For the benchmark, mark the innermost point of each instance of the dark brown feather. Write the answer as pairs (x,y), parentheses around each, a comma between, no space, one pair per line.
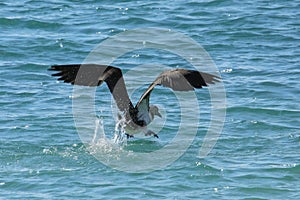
(180,80)
(94,75)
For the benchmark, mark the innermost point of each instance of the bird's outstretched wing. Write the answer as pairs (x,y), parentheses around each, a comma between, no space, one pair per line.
(178,80)
(94,75)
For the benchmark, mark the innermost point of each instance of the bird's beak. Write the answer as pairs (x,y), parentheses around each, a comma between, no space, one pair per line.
(158,114)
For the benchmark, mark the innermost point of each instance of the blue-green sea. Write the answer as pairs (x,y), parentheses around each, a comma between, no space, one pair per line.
(254,44)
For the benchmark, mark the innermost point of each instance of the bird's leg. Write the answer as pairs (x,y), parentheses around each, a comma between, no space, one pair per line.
(149,132)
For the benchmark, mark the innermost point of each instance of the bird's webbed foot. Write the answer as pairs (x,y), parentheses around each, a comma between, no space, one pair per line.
(128,135)
(149,133)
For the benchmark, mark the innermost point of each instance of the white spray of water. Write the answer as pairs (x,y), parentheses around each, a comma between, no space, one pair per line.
(103,144)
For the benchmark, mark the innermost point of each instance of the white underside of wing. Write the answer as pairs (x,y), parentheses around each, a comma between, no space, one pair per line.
(143,113)
(145,117)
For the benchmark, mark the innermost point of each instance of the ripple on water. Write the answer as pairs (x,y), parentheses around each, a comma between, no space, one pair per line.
(254,44)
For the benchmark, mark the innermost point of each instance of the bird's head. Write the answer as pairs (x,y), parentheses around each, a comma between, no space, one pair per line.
(153,110)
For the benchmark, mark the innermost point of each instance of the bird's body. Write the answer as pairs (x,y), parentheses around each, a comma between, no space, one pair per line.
(141,120)
(142,114)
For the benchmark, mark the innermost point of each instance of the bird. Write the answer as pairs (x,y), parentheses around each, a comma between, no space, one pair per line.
(137,117)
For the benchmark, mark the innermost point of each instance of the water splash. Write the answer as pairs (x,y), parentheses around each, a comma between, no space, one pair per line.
(101,144)
(99,131)
(120,134)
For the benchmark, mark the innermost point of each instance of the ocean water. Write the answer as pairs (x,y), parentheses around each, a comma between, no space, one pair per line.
(256,48)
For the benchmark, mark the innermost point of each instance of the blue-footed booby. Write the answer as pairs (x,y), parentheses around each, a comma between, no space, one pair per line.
(139,116)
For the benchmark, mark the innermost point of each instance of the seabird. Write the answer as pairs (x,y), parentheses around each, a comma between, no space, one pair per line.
(139,116)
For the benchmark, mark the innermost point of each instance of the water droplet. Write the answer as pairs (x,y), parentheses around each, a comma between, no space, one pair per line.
(226,71)
(135,56)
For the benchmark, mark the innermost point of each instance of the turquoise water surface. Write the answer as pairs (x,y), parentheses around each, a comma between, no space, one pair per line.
(254,44)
